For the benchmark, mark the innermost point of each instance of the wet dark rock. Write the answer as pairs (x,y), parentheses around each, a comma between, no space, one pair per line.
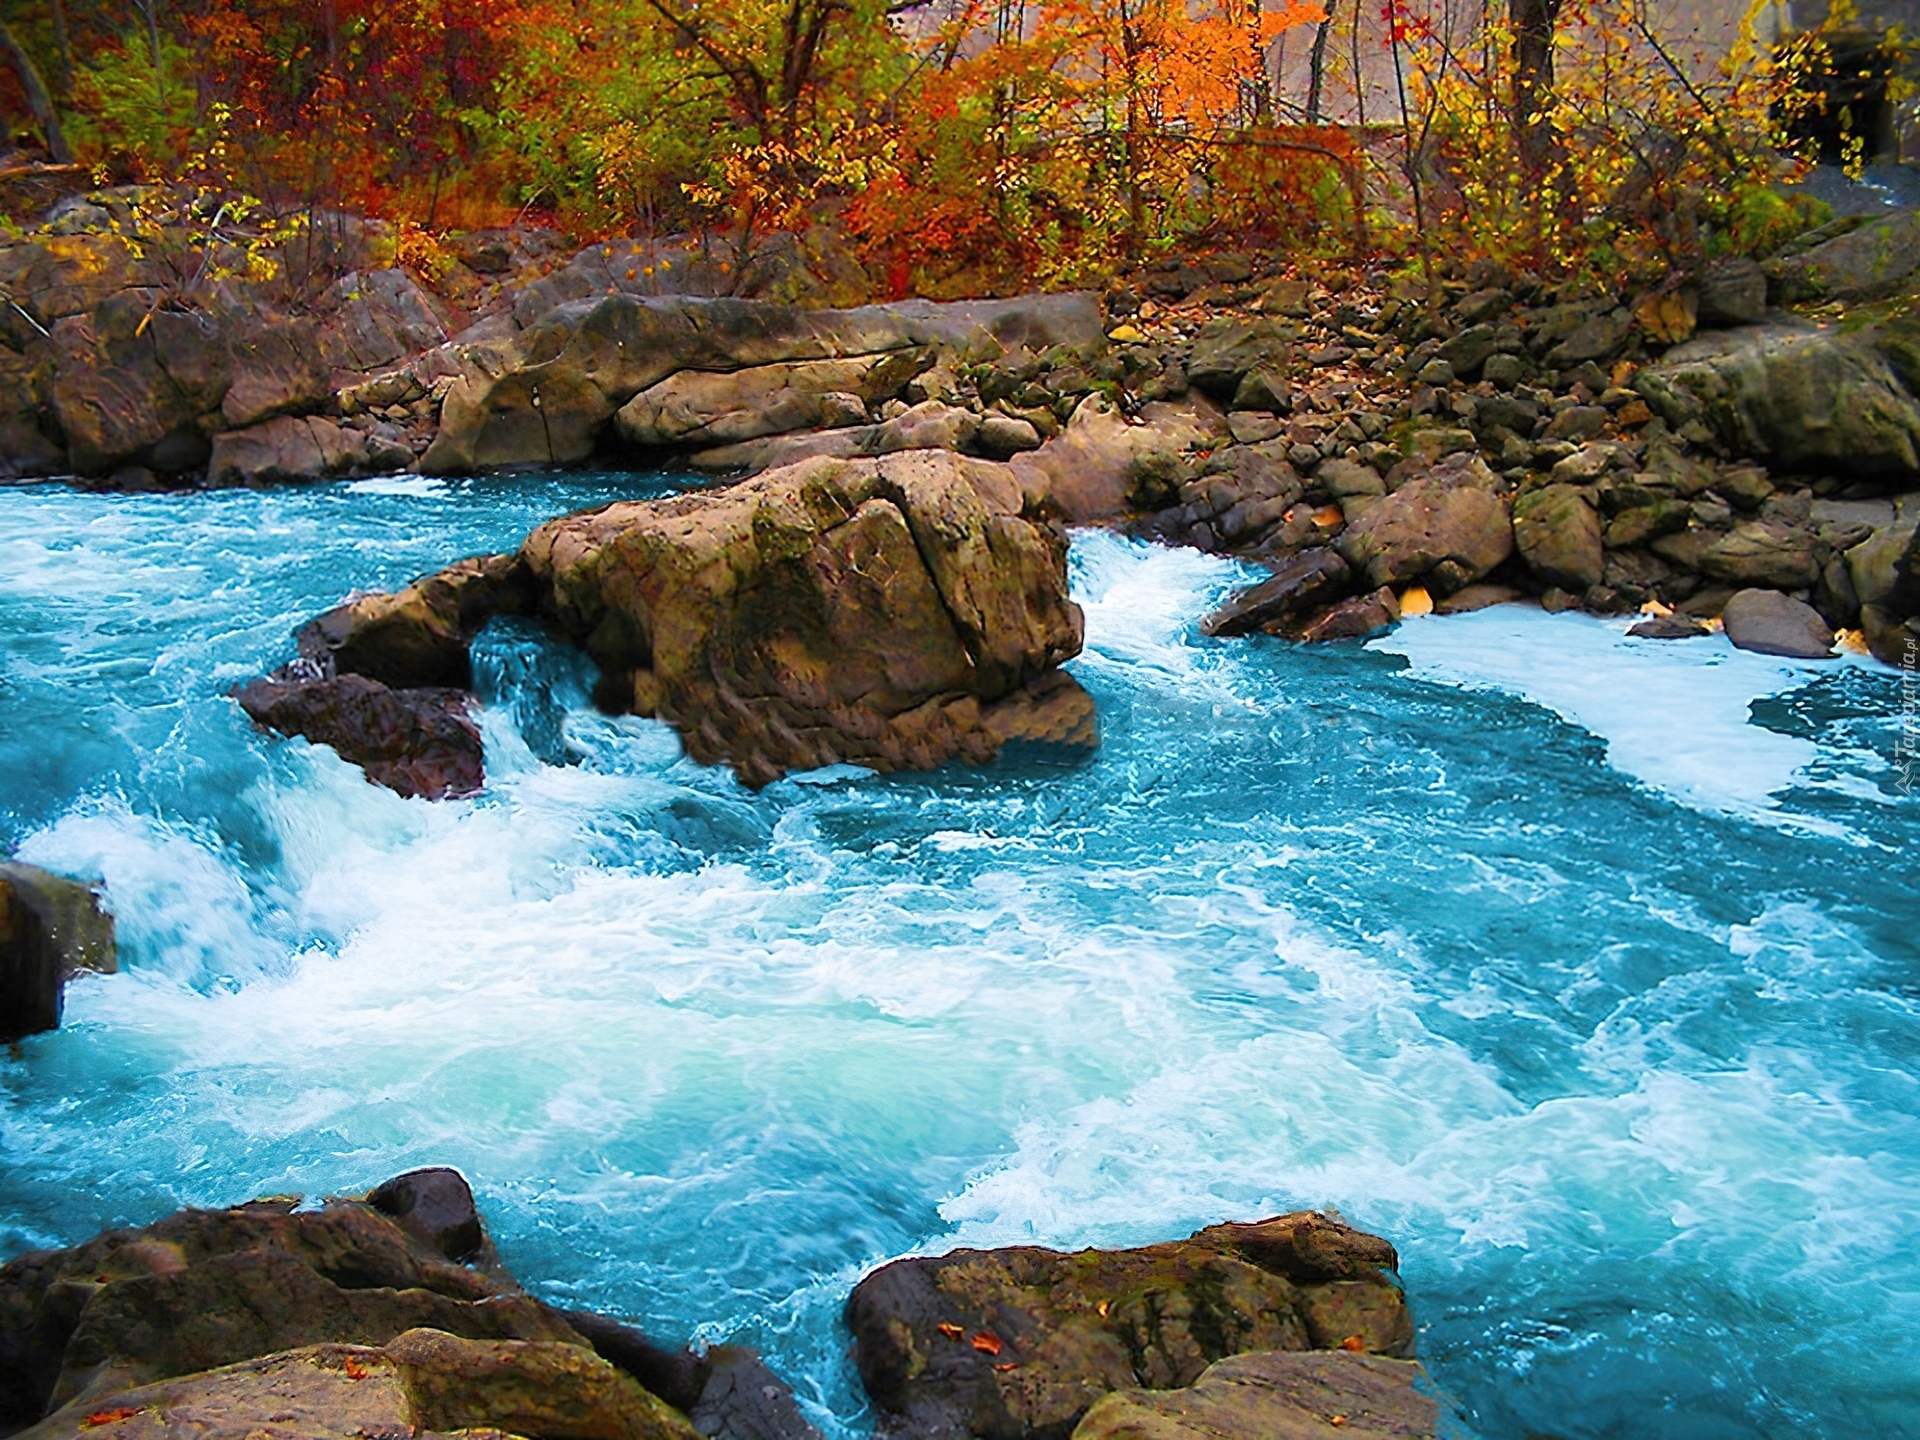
(678,1377)
(50,927)
(298,449)
(1869,261)
(1774,624)
(416,742)
(435,1206)
(1310,578)
(744,1400)
(1021,1342)
(1668,627)
(1351,619)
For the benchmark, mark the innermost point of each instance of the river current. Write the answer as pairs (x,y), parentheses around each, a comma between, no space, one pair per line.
(1586,969)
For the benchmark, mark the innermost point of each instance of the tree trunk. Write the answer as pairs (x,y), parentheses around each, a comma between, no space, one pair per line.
(63,47)
(1317,67)
(37,98)
(1533,22)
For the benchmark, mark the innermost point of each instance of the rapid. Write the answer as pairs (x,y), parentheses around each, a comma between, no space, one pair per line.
(1586,969)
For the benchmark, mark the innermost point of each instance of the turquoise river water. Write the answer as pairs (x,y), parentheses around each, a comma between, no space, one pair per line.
(1586,969)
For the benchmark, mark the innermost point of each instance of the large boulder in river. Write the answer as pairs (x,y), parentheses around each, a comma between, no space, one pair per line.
(1276,1395)
(708,408)
(1020,1342)
(49,928)
(1445,529)
(1799,396)
(896,612)
(547,394)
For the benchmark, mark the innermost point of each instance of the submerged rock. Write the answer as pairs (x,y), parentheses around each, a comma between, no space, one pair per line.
(416,742)
(49,928)
(1021,1342)
(1275,1395)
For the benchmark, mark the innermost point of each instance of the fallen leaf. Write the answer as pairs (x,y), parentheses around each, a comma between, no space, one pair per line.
(987,1343)
(1105,1305)
(1853,641)
(1353,1342)
(951,1330)
(1328,516)
(1415,601)
(108,1417)
(1336,1419)
(355,1370)
(1010,1365)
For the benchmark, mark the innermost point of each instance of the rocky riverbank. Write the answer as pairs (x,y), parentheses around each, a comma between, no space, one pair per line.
(392,1314)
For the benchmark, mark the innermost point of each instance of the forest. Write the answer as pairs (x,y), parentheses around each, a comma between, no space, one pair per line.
(969,146)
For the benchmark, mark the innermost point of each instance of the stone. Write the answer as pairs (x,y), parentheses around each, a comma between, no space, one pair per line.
(1640,523)
(1797,396)
(1354,618)
(1478,596)
(416,742)
(1226,350)
(545,1388)
(548,393)
(1761,553)
(929,425)
(1885,568)
(207,1288)
(1869,262)
(1599,338)
(1305,580)
(50,927)
(1557,532)
(295,449)
(1001,437)
(1433,530)
(435,1206)
(1275,1395)
(1732,292)
(708,408)
(1774,624)
(841,408)
(374,318)
(744,1400)
(417,637)
(1437,373)
(1891,639)
(1263,389)
(1022,1341)
(1668,627)
(1467,351)
(1104,466)
(1341,478)
(1577,423)
(1504,371)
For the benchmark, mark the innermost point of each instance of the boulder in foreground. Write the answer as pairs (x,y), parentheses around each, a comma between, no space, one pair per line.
(368,1319)
(1021,1342)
